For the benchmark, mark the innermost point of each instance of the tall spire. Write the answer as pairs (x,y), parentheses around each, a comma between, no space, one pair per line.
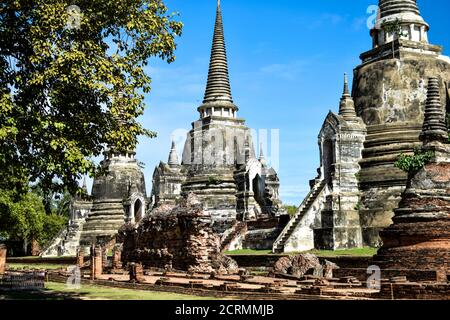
(218,89)
(434,127)
(262,158)
(346,90)
(394,7)
(347,105)
(173,156)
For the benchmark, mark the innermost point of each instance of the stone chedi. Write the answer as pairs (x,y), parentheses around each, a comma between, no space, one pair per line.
(119,196)
(419,239)
(388,94)
(217,154)
(167,180)
(389,89)
(328,217)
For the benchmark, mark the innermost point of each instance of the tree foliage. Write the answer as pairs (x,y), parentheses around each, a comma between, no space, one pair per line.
(291,210)
(71,84)
(25,218)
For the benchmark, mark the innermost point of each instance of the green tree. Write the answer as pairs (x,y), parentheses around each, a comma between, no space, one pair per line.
(291,210)
(24,218)
(21,219)
(72,80)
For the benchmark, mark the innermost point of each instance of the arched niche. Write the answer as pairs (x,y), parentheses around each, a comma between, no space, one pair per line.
(138,210)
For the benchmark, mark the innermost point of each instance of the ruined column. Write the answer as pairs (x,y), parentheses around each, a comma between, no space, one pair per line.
(80,257)
(136,272)
(117,257)
(92,257)
(2,258)
(98,261)
(104,258)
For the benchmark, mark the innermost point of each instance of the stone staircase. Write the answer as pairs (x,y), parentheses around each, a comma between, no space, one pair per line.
(66,242)
(278,246)
(238,229)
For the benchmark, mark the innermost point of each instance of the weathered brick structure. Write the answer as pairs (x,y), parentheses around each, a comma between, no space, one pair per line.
(179,238)
(2,258)
(96,262)
(358,186)
(80,257)
(420,235)
(117,257)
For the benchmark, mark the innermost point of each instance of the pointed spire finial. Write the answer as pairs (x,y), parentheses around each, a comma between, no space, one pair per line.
(173,155)
(347,106)
(218,89)
(262,158)
(434,127)
(346,90)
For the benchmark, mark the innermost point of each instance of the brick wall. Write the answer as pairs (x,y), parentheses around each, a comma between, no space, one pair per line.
(415,291)
(2,258)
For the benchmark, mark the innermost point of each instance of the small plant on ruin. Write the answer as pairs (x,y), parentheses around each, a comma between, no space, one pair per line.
(394,28)
(213,181)
(413,163)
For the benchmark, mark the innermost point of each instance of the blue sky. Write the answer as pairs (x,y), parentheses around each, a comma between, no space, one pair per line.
(286,61)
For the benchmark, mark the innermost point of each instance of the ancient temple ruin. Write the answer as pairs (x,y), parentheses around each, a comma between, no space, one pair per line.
(180,238)
(358,186)
(419,238)
(118,197)
(219,164)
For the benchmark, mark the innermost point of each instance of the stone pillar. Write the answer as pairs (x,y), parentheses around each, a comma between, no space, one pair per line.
(117,257)
(98,261)
(92,257)
(2,258)
(80,257)
(136,272)
(104,259)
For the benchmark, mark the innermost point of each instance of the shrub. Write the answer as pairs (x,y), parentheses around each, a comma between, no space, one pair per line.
(413,163)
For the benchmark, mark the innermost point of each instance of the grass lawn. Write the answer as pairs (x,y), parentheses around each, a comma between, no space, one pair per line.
(47,266)
(59,291)
(248,252)
(363,252)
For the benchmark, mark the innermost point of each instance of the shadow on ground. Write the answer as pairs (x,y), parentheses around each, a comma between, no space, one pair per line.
(44,294)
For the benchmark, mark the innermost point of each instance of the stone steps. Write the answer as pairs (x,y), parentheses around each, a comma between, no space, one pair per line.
(306,206)
(68,238)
